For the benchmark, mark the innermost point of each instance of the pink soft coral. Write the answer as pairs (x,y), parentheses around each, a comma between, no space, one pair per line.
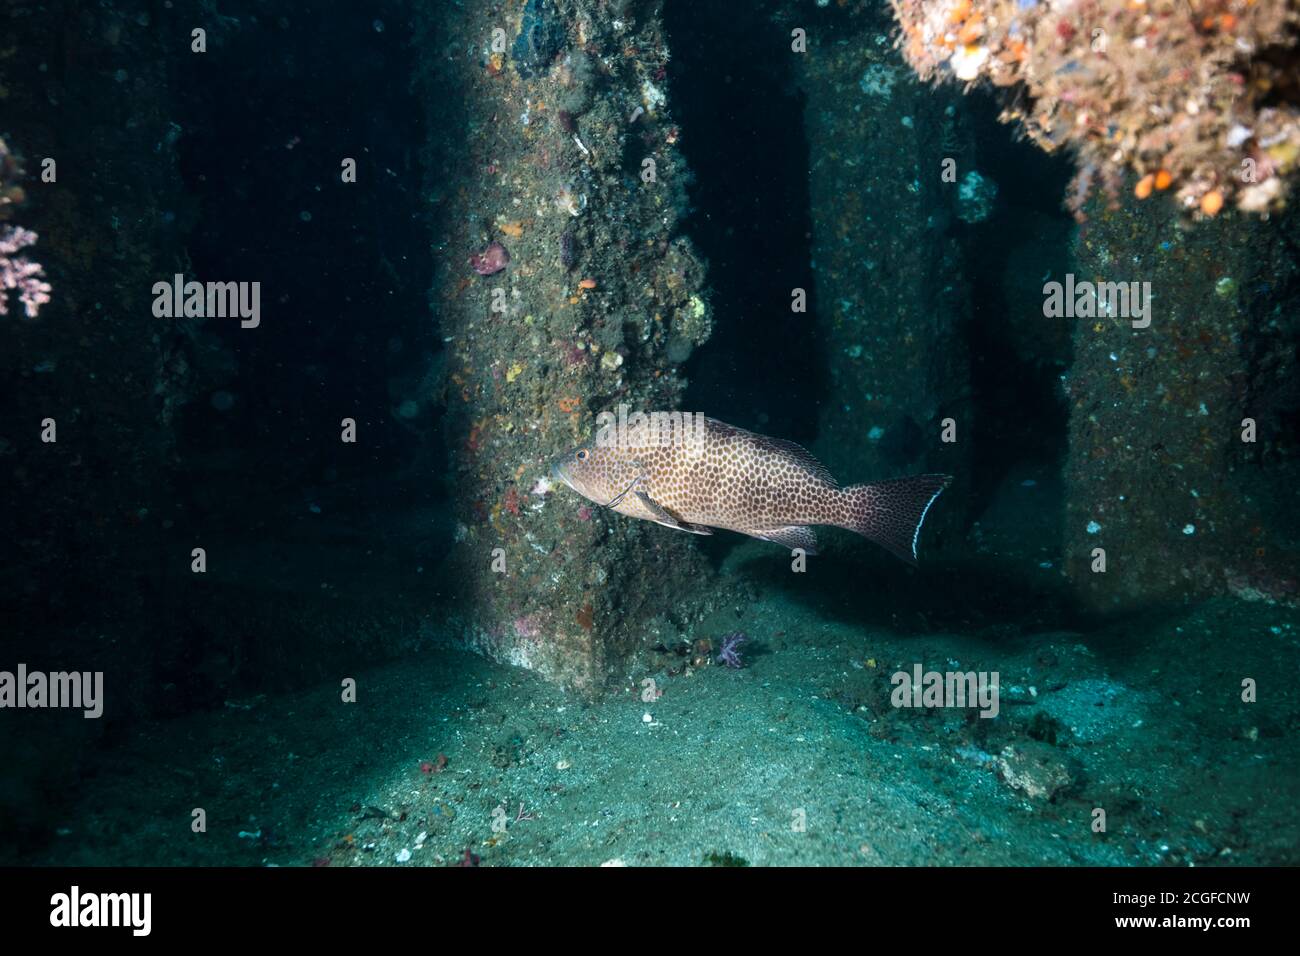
(20,273)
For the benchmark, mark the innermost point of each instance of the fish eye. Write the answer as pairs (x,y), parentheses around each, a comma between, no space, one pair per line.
(582,454)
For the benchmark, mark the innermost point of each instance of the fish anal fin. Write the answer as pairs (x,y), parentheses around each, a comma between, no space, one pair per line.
(665,517)
(792,536)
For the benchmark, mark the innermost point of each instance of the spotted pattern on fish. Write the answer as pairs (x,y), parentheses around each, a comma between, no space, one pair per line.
(694,473)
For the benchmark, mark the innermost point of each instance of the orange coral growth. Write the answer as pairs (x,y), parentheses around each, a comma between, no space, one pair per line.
(1199,102)
(511,501)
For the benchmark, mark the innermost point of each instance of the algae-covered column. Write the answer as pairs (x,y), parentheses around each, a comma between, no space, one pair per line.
(562,290)
(890,172)
(1168,402)
(1179,304)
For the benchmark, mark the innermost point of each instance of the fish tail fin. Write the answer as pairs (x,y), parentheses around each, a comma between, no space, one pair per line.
(890,513)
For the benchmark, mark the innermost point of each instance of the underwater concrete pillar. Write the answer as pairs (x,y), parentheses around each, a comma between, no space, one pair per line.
(1169,408)
(561,290)
(890,169)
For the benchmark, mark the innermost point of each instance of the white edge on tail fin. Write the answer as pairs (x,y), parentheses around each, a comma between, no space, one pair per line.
(916,535)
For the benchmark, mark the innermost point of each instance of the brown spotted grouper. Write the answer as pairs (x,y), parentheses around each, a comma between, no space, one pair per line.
(692,473)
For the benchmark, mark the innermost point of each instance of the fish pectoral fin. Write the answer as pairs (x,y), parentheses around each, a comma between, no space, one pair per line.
(618,499)
(665,517)
(793,536)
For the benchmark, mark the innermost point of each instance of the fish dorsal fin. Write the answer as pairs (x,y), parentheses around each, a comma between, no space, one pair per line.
(778,446)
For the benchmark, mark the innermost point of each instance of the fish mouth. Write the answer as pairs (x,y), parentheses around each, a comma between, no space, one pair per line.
(557,474)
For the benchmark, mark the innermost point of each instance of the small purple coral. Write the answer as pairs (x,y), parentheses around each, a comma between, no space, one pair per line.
(568,250)
(730,653)
(491,260)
